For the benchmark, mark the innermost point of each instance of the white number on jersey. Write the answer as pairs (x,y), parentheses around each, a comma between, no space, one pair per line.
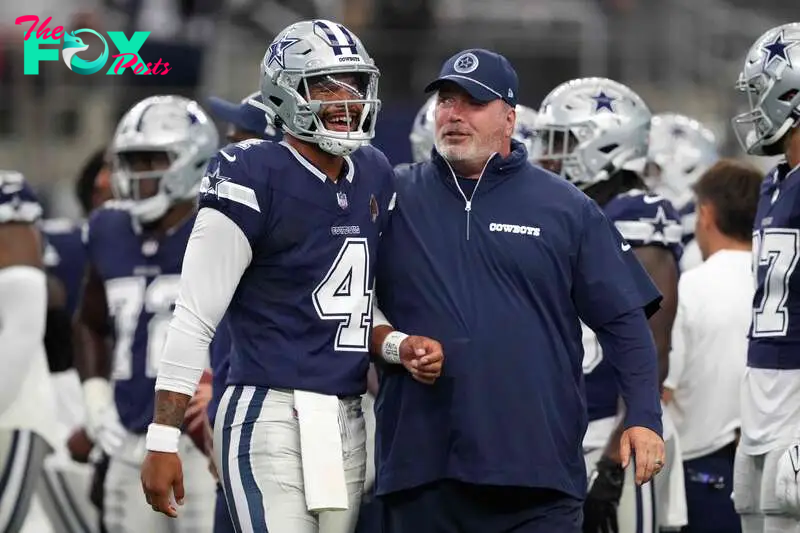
(344,296)
(592,352)
(777,251)
(127,299)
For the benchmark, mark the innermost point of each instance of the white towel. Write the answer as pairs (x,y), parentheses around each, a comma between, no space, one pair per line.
(321,451)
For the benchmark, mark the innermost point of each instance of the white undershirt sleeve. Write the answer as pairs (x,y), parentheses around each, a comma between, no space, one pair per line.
(23,312)
(378,318)
(217,255)
(677,353)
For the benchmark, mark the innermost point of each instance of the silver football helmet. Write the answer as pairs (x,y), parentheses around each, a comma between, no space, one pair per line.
(171,125)
(771,80)
(590,128)
(681,149)
(423,134)
(325,56)
(525,127)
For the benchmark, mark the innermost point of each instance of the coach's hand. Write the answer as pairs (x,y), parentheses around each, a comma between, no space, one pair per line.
(422,357)
(162,477)
(647,449)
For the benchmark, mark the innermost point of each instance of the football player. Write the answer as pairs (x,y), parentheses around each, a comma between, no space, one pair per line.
(135,246)
(28,430)
(681,149)
(765,484)
(288,234)
(422,135)
(594,132)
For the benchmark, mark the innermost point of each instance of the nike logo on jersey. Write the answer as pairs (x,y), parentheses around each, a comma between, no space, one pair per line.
(230,158)
(514,228)
(652,199)
(625,246)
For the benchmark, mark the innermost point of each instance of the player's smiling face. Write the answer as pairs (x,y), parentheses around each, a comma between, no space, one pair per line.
(342,114)
(468,129)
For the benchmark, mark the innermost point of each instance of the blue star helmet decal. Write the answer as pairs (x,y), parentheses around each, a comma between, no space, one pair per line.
(603,101)
(277,50)
(776,50)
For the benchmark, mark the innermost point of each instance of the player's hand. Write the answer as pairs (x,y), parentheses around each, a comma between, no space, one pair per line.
(787,491)
(162,478)
(80,446)
(648,450)
(602,500)
(422,357)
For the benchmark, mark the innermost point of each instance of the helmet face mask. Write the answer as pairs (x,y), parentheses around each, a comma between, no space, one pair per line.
(771,83)
(589,128)
(319,80)
(159,154)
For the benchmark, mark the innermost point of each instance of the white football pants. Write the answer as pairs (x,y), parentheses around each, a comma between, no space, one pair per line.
(125,509)
(257,446)
(754,494)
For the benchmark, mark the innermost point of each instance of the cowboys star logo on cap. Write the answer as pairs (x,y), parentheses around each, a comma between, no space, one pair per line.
(466,63)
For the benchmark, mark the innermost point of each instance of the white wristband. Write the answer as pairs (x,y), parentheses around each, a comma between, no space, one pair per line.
(161,438)
(390,349)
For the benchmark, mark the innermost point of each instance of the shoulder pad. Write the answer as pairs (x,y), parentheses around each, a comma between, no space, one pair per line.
(644,218)
(17,201)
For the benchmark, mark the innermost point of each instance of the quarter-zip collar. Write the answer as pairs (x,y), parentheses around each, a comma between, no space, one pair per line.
(496,169)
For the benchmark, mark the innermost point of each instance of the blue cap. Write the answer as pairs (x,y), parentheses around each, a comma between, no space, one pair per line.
(245,115)
(485,75)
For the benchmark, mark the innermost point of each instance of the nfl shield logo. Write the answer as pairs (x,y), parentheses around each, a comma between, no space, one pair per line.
(341,199)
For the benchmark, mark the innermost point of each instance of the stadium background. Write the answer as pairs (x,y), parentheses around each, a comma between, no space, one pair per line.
(680,55)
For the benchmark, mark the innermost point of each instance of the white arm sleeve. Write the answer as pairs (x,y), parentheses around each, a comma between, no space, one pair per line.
(378,318)
(23,313)
(217,255)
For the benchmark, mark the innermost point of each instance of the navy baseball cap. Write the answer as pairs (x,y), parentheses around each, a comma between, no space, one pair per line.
(485,75)
(247,115)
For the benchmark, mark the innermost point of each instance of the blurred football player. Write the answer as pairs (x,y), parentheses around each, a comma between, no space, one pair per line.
(422,129)
(681,149)
(28,430)
(249,119)
(594,132)
(287,232)
(135,247)
(67,481)
(766,482)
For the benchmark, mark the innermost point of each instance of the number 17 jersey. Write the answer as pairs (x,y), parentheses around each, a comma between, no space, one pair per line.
(302,313)
(771,387)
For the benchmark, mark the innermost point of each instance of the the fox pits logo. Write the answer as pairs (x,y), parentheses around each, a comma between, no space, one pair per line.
(73,44)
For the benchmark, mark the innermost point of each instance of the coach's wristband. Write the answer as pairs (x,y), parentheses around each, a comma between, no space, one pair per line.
(161,438)
(390,349)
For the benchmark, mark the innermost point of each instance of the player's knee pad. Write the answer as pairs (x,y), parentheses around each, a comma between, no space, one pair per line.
(22,453)
(58,340)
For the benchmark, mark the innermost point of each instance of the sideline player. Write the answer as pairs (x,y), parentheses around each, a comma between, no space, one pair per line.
(594,132)
(135,247)
(765,478)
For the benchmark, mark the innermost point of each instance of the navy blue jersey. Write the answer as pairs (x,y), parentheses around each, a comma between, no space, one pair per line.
(18,203)
(141,275)
(643,219)
(219,356)
(301,315)
(65,256)
(502,287)
(775,329)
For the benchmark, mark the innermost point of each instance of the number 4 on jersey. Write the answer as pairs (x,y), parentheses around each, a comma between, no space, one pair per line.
(777,252)
(344,296)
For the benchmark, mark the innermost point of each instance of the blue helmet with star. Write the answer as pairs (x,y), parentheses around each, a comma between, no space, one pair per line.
(771,80)
(588,129)
(322,85)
